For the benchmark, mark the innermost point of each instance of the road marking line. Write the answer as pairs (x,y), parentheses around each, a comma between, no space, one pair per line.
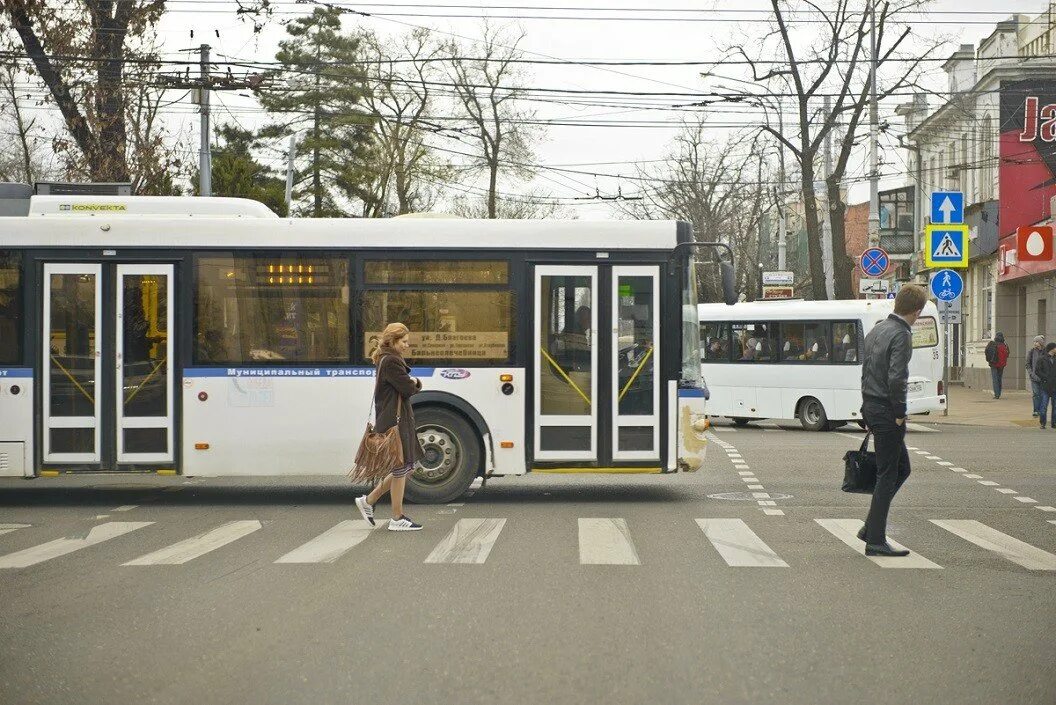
(912,448)
(8,528)
(988,483)
(606,542)
(773,512)
(760,495)
(974,477)
(457,504)
(124,508)
(933,457)
(946,463)
(742,467)
(1005,490)
(744,473)
(750,479)
(958,469)
(922,452)
(1004,545)
(921,429)
(855,438)
(846,530)
(766,503)
(470,541)
(60,547)
(333,543)
(1052,521)
(755,487)
(1046,508)
(1025,500)
(102,516)
(189,549)
(738,545)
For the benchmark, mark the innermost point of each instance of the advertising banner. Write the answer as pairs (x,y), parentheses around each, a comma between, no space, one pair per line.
(1027,165)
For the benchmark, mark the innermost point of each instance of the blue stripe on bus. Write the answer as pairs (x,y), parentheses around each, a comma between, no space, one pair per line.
(16,371)
(293,371)
(690,393)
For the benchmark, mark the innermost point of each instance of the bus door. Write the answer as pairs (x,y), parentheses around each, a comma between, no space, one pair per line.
(107,365)
(597,395)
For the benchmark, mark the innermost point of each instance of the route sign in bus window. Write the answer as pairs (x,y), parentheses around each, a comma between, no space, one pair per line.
(925,333)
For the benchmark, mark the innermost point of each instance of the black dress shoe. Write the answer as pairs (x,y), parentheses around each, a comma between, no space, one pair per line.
(861,534)
(884,549)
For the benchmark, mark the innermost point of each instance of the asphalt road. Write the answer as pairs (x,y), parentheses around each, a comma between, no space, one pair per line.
(768,606)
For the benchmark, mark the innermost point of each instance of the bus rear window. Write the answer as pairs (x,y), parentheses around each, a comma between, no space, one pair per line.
(925,332)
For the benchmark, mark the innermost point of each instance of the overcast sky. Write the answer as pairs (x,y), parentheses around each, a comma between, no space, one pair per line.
(612,149)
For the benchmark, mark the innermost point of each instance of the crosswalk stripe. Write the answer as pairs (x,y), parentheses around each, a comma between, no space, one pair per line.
(738,545)
(921,429)
(8,528)
(330,545)
(189,549)
(606,542)
(63,546)
(470,541)
(846,530)
(1004,545)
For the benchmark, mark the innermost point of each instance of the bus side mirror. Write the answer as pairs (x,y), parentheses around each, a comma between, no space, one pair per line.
(729,283)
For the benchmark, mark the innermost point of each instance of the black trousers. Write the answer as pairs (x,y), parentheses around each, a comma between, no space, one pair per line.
(892,464)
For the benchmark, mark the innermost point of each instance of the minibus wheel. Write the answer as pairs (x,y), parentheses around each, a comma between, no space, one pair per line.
(812,414)
(740,421)
(452,456)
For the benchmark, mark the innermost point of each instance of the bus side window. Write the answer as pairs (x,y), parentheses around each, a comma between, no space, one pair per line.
(845,341)
(716,342)
(753,342)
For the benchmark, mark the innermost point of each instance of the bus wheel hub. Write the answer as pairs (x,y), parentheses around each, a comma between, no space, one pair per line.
(441,454)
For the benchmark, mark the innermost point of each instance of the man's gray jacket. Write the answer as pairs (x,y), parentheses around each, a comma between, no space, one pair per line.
(885,370)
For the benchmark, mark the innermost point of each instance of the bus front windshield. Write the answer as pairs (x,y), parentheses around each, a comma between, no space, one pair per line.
(691,374)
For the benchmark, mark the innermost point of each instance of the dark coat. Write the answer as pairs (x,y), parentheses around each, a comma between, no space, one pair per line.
(395,384)
(1045,369)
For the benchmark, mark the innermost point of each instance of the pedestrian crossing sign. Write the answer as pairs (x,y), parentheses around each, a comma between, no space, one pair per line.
(946,246)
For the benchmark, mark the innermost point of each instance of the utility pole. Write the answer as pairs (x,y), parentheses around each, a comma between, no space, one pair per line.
(289,175)
(200,88)
(205,161)
(826,224)
(781,221)
(874,136)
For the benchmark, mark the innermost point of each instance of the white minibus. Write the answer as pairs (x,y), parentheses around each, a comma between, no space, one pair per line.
(793,359)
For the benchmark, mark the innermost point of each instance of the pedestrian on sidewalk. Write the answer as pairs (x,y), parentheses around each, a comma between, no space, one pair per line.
(392,404)
(996,354)
(1035,352)
(885,374)
(1045,370)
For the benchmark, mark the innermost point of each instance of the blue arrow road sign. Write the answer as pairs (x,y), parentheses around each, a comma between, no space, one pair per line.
(946,285)
(947,207)
(875,262)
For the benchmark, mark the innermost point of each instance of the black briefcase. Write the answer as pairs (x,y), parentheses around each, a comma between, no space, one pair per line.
(859,469)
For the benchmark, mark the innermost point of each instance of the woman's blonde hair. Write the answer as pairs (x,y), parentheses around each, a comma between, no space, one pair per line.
(392,333)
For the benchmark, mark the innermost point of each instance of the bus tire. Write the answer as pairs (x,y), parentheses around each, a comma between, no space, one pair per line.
(453,455)
(740,421)
(811,414)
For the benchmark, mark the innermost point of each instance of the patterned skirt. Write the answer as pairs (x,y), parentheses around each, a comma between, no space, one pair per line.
(403,471)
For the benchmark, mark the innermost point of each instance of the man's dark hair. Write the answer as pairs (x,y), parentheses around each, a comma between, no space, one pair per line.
(910,299)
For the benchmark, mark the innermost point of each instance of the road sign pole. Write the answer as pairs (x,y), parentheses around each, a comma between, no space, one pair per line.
(946,367)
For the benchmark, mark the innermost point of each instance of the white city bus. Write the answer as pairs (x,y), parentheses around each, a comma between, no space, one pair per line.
(207,337)
(794,359)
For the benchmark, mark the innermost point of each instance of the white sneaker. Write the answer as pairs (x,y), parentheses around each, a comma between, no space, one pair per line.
(403,524)
(365,509)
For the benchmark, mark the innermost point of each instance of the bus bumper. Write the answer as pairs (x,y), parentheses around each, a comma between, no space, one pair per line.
(692,425)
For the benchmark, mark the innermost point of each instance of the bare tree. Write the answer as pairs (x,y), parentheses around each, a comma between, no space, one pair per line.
(833,63)
(400,100)
(23,157)
(488,94)
(722,189)
(529,206)
(80,51)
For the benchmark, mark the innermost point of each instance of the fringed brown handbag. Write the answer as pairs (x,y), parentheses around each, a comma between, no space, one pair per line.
(379,453)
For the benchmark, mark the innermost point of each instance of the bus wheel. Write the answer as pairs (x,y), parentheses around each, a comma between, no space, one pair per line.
(812,414)
(452,457)
(740,421)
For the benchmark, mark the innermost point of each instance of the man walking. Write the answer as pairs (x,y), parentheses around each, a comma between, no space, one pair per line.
(1035,384)
(1045,370)
(885,372)
(996,354)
